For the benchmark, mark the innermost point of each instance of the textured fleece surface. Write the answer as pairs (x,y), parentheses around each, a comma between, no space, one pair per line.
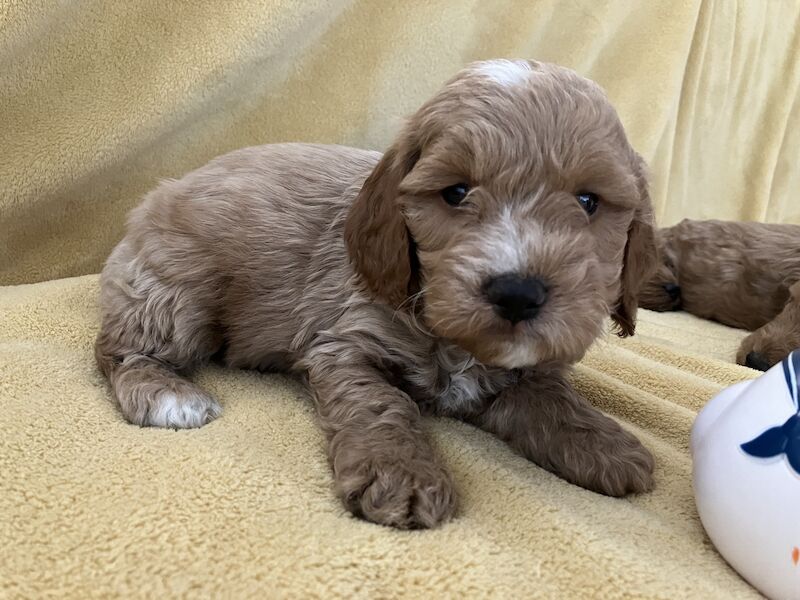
(99,99)
(91,506)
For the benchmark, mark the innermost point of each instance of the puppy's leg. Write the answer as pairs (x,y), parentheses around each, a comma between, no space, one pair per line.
(549,423)
(150,393)
(384,467)
(150,332)
(773,342)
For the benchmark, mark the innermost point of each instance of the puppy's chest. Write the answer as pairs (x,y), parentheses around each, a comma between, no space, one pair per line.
(451,382)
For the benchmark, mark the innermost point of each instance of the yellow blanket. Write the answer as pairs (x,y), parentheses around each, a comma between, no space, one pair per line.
(93,507)
(100,99)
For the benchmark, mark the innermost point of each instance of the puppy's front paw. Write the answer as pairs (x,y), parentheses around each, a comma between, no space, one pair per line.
(412,494)
(610,461)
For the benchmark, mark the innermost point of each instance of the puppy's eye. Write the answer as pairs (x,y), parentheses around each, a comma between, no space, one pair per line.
(588,201)
(455,194)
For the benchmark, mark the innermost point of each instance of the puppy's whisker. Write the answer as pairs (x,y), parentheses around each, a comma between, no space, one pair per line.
(471,322)
(412,317)
(468,364)
(412,299)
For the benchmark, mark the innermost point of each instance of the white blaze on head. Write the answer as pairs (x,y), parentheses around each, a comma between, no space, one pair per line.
(506,247)
(505,72)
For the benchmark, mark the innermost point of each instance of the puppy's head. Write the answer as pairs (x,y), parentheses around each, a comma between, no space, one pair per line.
(662,291)
(514,206)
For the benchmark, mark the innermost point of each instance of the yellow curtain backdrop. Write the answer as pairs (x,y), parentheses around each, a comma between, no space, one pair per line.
(99,100)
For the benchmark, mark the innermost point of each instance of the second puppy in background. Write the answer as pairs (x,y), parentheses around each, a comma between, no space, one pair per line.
(744,275)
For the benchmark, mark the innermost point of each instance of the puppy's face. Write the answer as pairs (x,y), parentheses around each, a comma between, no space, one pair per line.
(513,205)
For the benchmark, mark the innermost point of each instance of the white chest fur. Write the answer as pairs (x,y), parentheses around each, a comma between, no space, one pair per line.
(456,381)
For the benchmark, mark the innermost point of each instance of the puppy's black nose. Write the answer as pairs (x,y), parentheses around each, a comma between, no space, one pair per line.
(757,361)
(673,290)
(516,298)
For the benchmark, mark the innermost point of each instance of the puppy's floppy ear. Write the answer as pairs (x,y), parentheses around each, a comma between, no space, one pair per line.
(375,232)
(641,257)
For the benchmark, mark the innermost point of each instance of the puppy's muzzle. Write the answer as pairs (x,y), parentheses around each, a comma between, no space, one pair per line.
(673,291)
(516,298)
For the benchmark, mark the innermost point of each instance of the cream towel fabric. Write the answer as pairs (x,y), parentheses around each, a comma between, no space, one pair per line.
(91,506)
(99,100)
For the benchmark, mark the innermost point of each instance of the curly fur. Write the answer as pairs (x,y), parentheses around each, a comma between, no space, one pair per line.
(349,268)
(740,274)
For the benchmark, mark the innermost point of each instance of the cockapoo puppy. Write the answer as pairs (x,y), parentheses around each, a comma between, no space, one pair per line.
(744,275)
(461,273)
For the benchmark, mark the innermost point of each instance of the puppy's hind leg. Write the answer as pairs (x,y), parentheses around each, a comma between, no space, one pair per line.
(151,333)
(150,393)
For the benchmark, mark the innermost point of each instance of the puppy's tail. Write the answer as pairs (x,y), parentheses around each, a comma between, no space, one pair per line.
(150,393)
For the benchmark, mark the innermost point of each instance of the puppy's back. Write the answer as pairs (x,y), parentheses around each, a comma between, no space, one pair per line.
(276,186)
(242,241)
(738,273)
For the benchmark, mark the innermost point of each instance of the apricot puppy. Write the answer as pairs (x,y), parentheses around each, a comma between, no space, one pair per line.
(461,274)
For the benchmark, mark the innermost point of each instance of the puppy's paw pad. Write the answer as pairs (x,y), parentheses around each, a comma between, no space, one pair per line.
(414,495)
(183,411)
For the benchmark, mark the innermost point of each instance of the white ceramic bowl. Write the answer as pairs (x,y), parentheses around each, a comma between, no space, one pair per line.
(746,454)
